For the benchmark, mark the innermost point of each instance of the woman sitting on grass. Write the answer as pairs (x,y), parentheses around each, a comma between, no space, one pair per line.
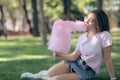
(92,48)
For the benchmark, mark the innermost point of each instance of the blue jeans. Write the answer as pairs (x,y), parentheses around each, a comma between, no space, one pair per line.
(81,68)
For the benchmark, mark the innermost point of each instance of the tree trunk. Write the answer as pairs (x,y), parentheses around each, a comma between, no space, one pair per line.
(35,18)
(2,23)
(26,16)
(43,26)
(66,4)
(99,4)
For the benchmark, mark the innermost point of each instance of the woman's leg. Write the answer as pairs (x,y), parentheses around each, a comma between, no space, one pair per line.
(66,76)
(60,68)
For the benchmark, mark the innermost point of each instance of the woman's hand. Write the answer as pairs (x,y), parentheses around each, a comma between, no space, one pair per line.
(57,55)
(68,57)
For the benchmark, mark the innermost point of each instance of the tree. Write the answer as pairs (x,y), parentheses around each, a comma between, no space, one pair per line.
(99,4)
(66,4)
(26,16)
(43,26)
(2,22)
(35,18)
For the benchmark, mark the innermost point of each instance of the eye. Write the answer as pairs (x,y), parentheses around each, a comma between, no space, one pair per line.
(91,20)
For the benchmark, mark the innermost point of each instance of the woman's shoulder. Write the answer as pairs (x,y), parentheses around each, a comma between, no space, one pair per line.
(106,38)
(105,33)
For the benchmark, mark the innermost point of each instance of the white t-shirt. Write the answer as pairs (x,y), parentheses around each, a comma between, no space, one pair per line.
(92,49)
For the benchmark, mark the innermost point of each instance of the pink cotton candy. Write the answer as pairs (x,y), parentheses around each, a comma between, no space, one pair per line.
(61,35)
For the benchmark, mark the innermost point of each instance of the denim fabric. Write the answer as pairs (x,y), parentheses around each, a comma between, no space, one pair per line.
(83,70)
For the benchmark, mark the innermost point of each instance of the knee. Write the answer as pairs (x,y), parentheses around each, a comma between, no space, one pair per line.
(51,73)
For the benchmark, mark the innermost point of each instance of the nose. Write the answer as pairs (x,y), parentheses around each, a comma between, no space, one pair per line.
(86,21)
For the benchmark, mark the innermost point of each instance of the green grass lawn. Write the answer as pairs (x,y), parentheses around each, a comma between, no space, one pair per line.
(26,54)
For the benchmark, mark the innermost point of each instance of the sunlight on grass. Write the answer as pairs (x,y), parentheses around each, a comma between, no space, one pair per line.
(23,57)
(116,38)
(5,43)
(115,55)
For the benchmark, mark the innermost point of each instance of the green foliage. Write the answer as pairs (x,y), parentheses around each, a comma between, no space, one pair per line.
(82,4)
(54,8)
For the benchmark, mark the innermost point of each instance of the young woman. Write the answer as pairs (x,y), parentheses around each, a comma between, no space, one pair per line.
(92,48)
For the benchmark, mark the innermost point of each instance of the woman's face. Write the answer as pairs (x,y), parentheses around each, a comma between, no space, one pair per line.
(91,21)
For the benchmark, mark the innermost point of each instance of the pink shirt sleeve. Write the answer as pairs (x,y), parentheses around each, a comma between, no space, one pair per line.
(106,39)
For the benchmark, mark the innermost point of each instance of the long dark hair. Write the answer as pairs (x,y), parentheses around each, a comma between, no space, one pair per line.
(102,19)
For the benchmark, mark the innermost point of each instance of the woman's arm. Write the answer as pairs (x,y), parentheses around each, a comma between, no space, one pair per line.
(108,61)
(68,57)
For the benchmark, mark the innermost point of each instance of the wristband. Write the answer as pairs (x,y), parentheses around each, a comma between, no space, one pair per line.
(113,78)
